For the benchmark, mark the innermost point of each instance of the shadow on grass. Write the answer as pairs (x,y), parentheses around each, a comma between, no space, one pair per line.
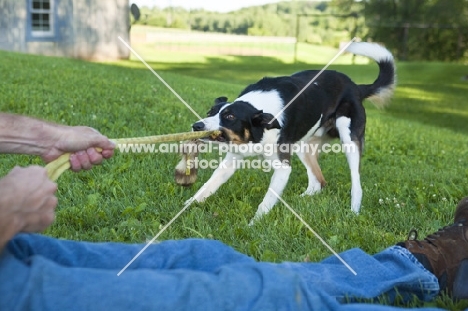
(437,97)
(441,105)
(237,69)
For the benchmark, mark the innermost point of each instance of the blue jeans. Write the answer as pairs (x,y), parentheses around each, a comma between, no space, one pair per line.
(43,273)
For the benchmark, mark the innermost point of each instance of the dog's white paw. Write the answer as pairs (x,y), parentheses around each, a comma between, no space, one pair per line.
(356,198)
(193,200)
(254,219)
(261,211)
(312,191)
(355,208)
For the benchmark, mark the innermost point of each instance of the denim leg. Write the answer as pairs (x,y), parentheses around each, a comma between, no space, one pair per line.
(394,271)
(39,273)
(197,254)
(39,283)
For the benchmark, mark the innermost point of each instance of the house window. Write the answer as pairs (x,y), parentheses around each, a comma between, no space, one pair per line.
(41,17)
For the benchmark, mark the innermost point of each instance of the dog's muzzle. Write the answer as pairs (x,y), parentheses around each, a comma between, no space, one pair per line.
(200,126)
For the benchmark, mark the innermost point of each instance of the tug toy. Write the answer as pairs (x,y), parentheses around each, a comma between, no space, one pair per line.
(62,163)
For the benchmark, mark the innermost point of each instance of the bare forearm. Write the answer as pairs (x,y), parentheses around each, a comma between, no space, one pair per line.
(25,135)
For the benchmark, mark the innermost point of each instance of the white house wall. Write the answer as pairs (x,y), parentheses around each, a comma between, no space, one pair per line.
(13,25)
(84,29)
(97,26)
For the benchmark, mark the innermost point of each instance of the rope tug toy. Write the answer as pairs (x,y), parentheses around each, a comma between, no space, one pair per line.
(62,163)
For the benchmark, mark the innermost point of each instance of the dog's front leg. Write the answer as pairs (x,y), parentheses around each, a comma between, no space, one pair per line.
(222,173)
(278,183)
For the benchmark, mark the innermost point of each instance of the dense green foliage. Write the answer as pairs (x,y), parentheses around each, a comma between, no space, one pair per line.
(277,19)
(414,168)
(416,29)
(412,29)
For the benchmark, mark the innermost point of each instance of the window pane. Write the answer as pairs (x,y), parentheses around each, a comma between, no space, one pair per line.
(36,4)
(36,17)
(40,22)
(36,22)
(37,27)
(45,22)
(40,16)
(41,4)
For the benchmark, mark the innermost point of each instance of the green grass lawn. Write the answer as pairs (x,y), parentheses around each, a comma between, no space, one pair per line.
(414,169)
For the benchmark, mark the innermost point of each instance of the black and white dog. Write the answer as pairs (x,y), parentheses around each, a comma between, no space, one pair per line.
(291,113)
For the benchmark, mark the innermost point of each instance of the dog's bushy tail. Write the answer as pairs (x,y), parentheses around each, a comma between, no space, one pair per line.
(382,89)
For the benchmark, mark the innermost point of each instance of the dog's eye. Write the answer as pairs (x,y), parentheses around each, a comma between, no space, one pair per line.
(229,117)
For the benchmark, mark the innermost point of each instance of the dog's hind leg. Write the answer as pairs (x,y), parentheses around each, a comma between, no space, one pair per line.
(224,171)
(309,157)
(352,149)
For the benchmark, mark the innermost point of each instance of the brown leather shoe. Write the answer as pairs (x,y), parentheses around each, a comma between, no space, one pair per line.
(445,253)
(461,213)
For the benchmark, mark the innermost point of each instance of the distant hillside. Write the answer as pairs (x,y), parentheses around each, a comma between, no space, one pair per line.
(412,30)
(275,19)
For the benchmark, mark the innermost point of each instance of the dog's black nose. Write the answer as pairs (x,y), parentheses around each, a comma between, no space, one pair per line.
(199,126)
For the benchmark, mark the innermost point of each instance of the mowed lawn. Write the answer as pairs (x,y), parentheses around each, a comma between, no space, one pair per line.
(414,169)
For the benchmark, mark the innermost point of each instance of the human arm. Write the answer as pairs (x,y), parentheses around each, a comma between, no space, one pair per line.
(27,196)
(25,135)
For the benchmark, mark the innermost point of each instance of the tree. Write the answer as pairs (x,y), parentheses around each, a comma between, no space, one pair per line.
(419,29)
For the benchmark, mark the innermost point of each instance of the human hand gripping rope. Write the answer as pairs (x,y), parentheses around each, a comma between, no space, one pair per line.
(62,163)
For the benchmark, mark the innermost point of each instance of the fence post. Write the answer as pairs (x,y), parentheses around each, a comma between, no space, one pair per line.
(298,16)
(405,40)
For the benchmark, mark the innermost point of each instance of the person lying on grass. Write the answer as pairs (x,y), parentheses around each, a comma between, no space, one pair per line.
(43,273)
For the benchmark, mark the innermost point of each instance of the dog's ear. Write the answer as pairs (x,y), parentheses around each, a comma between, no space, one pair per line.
(265,120)
(261,121)
(222,99)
